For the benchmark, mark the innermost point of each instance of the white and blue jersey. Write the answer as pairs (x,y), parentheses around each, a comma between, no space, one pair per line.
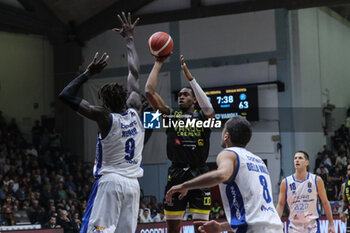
(120,151)
(247,197)
(302,199)
(114,200)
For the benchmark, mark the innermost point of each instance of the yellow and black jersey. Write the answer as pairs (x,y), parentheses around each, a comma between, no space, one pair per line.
(187,142)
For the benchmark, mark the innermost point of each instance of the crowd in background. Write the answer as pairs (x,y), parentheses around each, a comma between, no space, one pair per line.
(41,183)
(331,163)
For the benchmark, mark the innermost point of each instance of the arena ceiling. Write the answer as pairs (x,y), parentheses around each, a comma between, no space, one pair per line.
(83,19)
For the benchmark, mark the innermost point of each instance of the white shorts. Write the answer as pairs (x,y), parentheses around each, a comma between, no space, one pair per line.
(264,229)
(310,227)
(113,205)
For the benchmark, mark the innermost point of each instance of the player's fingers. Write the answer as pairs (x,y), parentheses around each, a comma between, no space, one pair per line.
(129,17)
(106,58)
(95,57)
(181,196)
(168,196)
(102,58)
(120,18)
(201,229)
(124,17)
(182,60)
(136,21)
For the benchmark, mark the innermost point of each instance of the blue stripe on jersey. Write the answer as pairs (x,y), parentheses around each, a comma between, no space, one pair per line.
(125,113)
(301,181)
(98,157)
(318,226)
(317,202)
(235,201)
(89,205)
(288,226)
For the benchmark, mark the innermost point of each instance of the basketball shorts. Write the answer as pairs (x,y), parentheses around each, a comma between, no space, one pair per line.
(311,227)
(198,200)
(113,205)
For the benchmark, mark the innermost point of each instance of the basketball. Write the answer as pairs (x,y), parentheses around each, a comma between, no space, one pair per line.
(160,44)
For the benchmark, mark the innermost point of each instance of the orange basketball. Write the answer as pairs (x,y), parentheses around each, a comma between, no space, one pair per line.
(160,44)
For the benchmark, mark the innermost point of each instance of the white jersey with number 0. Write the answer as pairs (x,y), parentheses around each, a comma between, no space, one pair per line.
(120,151)
(247,198)
(302,200)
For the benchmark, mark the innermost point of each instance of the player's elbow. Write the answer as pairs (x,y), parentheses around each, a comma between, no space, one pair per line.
(149,90)
(149,93)
(222,176)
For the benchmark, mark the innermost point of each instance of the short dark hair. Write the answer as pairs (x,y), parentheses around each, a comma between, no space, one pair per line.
(189,87)
(306,156)
(113,97)
(240,130)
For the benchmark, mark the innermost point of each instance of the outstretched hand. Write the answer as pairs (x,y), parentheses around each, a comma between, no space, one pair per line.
(97,65)
(184,68)
(127,29)
(175,189)
(208,226)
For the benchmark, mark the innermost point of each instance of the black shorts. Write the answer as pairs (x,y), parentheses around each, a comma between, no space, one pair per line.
(199,200)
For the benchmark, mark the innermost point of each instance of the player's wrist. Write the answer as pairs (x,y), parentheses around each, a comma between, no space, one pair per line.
(129,38)
(87,73)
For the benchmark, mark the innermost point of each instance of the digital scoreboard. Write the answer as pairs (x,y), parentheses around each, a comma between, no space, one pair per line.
(232,101)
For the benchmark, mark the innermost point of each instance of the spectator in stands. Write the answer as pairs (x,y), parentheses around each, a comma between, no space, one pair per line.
(54,140)
(143,203)
(222,214)
(77,221)
(342,161)
(326,150)
(61,192)
(160,217)
(20,216)
(327,161)
(8,216)
(215,209)
(51,224)
(318,161)
(68,225)
(145,216)
(337,179)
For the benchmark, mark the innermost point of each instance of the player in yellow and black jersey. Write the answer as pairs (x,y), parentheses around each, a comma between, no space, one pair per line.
(345,210)
(187,144)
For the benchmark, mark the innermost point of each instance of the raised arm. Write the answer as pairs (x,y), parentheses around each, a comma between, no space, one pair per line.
(133,86)
(201,97)
(152,96)
(69,95)
(321,191)
(281,198)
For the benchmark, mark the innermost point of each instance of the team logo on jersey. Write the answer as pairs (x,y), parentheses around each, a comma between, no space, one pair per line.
(177,142)
(151,120)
